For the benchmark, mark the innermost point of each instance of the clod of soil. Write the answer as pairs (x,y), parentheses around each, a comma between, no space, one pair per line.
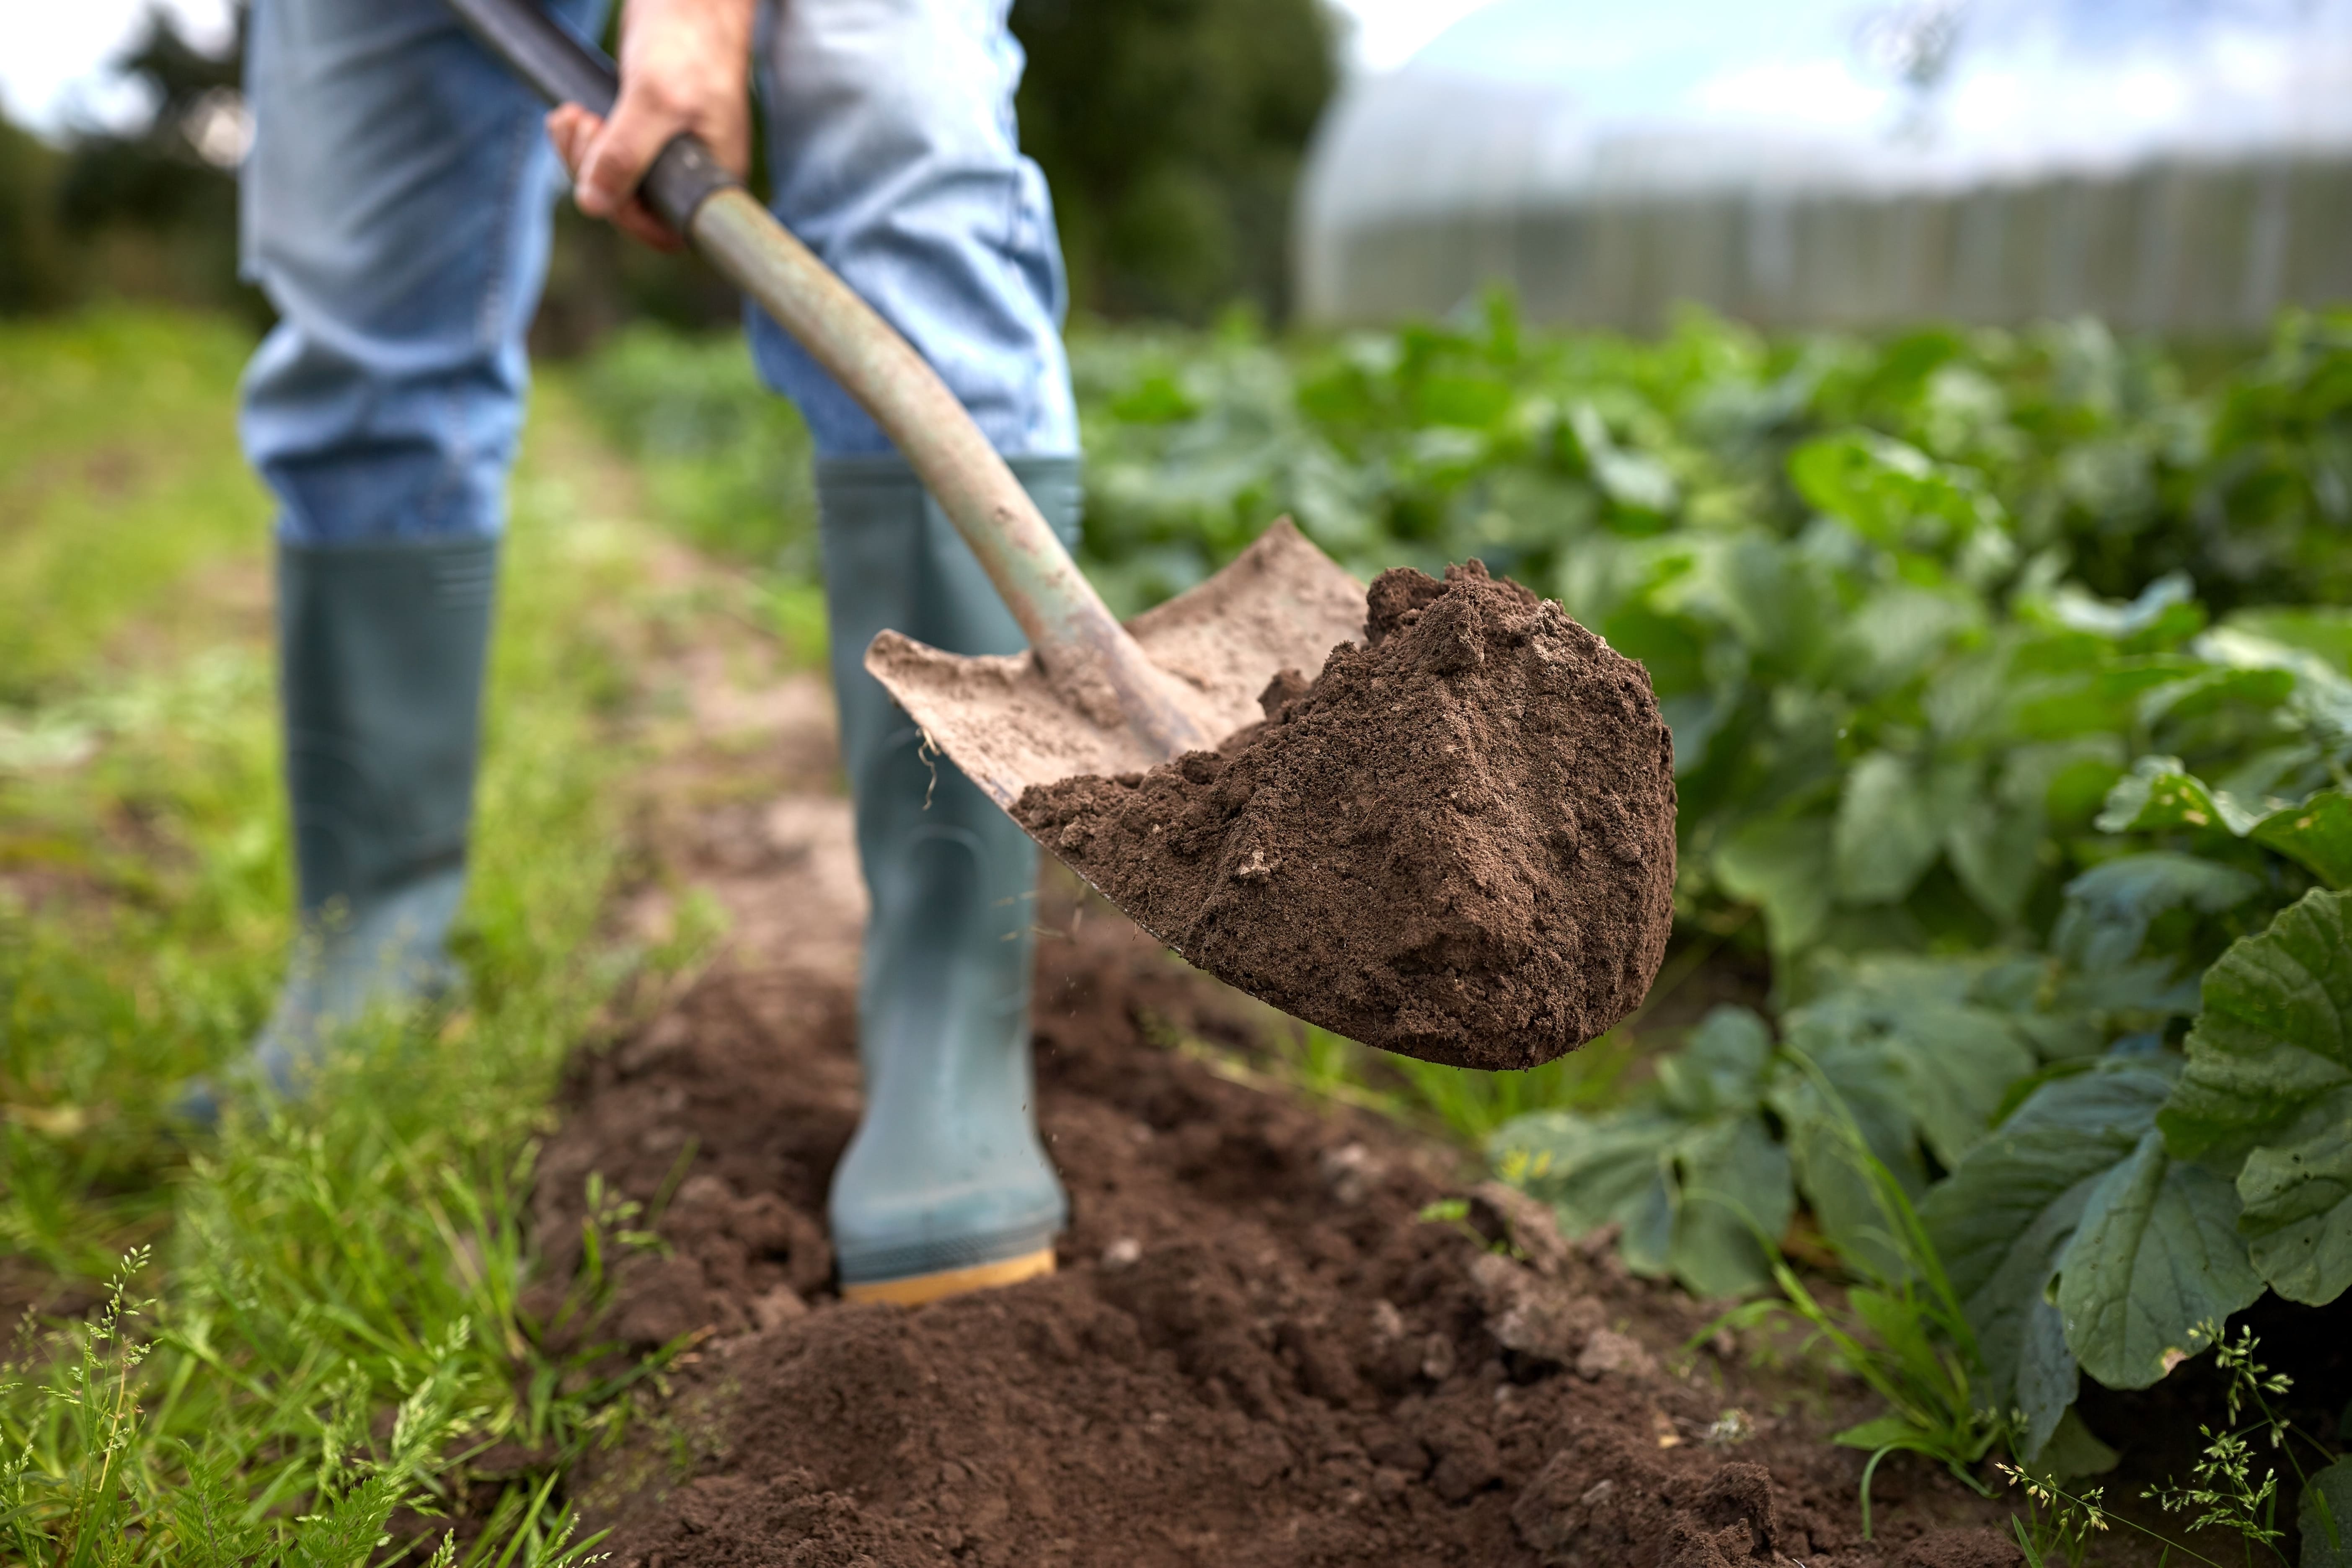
(1457,843)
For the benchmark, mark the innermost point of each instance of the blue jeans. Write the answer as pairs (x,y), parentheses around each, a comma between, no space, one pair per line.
(396,209)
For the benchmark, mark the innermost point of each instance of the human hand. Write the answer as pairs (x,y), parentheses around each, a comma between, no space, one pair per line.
(684,66)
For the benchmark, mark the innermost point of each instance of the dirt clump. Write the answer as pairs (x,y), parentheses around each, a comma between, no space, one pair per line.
(1457,842)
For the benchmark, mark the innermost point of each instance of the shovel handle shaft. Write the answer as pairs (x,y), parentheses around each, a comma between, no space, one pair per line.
(1091,658)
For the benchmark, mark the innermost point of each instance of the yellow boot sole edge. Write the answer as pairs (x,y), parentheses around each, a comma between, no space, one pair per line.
(917,1288)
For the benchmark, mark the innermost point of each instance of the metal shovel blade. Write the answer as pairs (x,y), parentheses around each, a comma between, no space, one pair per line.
(1280,605)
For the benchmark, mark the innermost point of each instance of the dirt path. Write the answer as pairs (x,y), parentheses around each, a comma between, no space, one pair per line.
(1255,1351)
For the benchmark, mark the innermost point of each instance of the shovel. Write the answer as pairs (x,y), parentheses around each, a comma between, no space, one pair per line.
(1092,696)
(1511,891)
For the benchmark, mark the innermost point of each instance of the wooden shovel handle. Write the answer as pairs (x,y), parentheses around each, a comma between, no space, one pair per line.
(1092,660)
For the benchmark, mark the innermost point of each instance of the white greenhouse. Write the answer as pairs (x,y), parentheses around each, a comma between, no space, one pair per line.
(2177,165)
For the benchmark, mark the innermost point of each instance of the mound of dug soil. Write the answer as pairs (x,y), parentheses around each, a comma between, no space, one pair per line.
(1457,843)
(1256,1354)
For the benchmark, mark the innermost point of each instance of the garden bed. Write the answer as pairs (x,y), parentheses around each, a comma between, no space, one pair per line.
(1257,1349)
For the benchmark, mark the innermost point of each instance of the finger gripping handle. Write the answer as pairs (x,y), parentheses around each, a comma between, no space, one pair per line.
(563,68)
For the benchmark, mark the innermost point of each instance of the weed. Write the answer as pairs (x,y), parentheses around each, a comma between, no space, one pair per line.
(2057,1527)
(2223,1492)
(1902,1332)
(1455,1215)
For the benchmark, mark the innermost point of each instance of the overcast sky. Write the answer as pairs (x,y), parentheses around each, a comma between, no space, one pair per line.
(53,69)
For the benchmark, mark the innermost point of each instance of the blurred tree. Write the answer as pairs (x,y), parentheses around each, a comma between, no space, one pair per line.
(34,271)
(153,206)
(1171,132)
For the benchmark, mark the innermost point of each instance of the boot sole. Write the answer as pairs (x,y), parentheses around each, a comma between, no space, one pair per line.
(916,1289)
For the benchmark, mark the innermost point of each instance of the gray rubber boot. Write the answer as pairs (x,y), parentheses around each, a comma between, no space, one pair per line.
(381,656)
(945,1186)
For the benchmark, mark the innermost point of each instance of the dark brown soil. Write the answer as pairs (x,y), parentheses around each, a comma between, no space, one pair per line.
(1255,1352)
(1457,843)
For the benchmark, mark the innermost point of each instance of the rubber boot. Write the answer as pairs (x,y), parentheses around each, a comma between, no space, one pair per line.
(381,656)
(945,1187)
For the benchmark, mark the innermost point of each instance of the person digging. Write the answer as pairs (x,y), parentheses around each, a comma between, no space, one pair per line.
(396,207)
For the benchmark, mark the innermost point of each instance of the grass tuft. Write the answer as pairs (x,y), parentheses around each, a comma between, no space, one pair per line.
(290,1343)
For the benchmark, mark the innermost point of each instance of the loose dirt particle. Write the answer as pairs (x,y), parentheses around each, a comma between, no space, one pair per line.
(1456,843)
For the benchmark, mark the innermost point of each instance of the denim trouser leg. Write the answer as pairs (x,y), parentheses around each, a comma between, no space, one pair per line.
(896,161)
(396,211)
(396,208)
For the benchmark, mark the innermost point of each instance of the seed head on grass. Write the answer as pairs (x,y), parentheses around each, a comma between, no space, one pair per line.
(2057,1525)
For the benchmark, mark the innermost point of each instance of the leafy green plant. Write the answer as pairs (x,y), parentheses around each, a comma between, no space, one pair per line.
(1689,1169)
(2266,1096)
(1901,1329)
(2077,1243)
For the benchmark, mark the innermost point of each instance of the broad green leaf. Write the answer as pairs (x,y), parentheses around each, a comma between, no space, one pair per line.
(1782,867)
(1771,596)
(2318,832)
(2074,1449)
(1890,492)
(2213,690)
(1734,1195)
(1899,1060)
(2323,1517)
(2004,1218)
(2109,908)
(1829,1139)
(1885,834)
(2165,606)
(1722,1068)
(1630,478)
(2155,1266)
(2159,795)
(1953,1059)
(1898,632)
(2269,1088)
(2105,697)
(2298,1208)
(2048,1377)
(1592,1170)
(1995,849)
(2323,630)
(1692,1196)
(1462,401)
(1694,1177)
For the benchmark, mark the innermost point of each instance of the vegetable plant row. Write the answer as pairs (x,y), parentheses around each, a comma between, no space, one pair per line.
(2010,710)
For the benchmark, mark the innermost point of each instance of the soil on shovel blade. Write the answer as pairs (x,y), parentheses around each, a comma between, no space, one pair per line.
(1257,1351)
(1456,843)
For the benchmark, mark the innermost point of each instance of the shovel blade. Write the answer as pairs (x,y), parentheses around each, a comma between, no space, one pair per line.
(1280,605)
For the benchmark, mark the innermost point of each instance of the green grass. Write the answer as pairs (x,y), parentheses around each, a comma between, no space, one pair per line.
(321,1314)
(119,474)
